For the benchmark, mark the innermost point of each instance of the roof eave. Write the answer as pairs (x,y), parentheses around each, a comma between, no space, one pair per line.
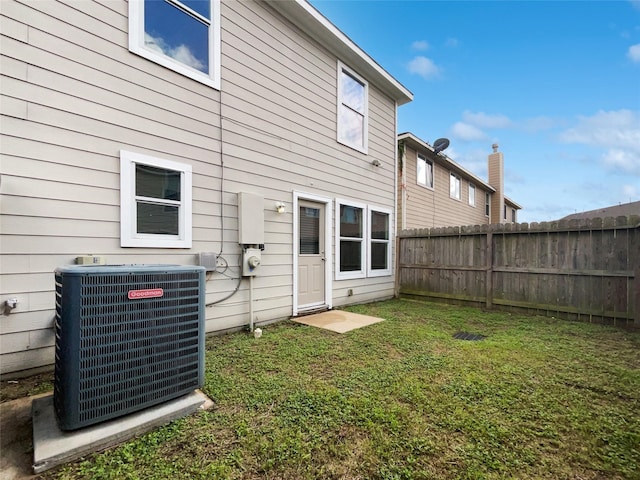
(512,203)
(444,160)
(316,25)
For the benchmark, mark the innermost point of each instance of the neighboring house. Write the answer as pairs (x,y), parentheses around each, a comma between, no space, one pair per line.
(435,191)
(129,129)
(623,209)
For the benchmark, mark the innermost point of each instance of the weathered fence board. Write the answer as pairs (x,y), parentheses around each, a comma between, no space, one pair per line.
(587,270)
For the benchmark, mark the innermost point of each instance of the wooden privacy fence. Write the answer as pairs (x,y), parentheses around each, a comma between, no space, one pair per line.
(578,269)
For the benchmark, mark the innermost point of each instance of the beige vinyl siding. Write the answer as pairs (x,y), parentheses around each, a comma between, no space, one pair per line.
(73,96)
(426,207)
(296,131)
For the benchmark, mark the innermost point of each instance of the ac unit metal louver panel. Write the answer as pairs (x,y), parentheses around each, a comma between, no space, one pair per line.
(127,337)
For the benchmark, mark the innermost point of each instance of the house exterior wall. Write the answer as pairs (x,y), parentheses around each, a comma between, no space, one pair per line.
(512,211)
(74,96)
(424,207)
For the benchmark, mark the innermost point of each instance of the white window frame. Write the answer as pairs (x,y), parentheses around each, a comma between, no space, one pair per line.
(472,195)
(366,269)
(457,178)
(427,162)
(128,202)
(362,273)
(487,204)
(365,135)
(137,46)
(379,272)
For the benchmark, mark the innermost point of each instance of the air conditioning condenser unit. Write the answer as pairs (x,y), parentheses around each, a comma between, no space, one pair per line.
(127,337)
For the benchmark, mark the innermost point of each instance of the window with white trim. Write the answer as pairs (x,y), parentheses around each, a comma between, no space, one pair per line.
(353,109)
(425,172)
(513,215)
(472,195)
(454,186)
(155,202)
(183,35)
(363,240)
(379,242)
(487,204)
(350,244)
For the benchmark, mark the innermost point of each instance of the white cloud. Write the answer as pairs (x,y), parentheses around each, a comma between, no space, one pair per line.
(466,132)
(474,160)
(617,133)
(619,128)
(631,192)
(181,53)
(451,42)
(184,55)
(424,67)
(622,160)
(420,45)
(634,53)
(536,124)
(482,120)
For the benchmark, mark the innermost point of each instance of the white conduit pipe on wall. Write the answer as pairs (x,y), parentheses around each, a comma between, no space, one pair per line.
(251,304)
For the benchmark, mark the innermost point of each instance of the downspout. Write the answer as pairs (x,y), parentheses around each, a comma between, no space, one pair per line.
(396,287)
(403,162)
(396,166)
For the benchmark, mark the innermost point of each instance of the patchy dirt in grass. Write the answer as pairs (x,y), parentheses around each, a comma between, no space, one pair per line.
(25,387)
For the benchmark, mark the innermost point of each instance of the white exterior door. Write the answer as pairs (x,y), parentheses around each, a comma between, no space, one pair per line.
(311,254)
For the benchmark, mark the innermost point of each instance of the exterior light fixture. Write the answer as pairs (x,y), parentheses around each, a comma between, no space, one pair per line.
(280,207)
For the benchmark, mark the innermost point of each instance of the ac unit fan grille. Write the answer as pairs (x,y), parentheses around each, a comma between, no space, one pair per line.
(129,353)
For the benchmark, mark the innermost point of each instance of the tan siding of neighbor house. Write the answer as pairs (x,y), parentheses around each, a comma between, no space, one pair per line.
(74,96)
(429,207)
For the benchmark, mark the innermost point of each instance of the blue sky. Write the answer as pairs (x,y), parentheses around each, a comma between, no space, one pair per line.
(555,83)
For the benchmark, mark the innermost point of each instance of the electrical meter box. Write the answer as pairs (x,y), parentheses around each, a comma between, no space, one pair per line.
(250,219)
(251,260)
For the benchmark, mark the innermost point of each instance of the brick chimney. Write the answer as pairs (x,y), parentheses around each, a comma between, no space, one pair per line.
(496,180)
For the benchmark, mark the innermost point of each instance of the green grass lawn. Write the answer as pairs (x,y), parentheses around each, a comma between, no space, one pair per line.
(401,399)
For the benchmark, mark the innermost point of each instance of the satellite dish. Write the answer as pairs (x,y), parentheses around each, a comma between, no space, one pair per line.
(440,145)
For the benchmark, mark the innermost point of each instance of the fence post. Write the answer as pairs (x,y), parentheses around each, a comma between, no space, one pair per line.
(489,281)
(635,303)
(396,285)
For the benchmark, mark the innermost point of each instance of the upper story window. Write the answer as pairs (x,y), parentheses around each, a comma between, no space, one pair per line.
(472,195)
(513,215)
(505,212)
(454,186)
(353,110)
(425,172)
(155,202)
(487,204)
(181,35)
